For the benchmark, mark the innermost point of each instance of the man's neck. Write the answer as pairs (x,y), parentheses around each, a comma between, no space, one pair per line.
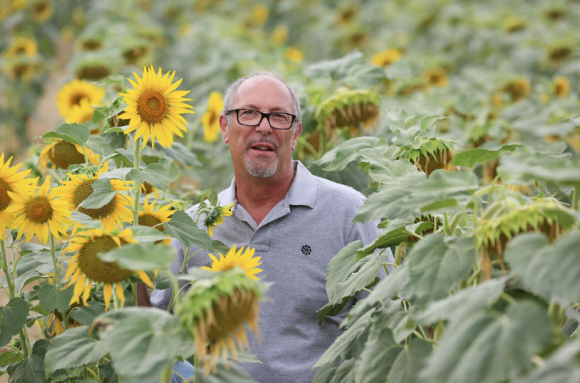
(259,196)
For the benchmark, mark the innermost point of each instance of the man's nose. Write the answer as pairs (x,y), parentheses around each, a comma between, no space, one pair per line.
(264,127)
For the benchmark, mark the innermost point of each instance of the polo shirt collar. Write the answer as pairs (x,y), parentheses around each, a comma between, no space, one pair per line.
(301,192)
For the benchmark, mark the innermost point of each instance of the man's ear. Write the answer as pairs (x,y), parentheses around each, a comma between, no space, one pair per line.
(296,134)
(223,127)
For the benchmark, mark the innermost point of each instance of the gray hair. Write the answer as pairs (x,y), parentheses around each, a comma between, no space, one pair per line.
(230,94)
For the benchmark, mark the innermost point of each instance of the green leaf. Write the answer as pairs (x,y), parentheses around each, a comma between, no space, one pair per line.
(179,152)
(345,372)
(26,278)
(324,374)
(402,325)
(550,271)
(73,348)
(141,257)
(346,276)
(13,318)
(103,193)
(337,158)
(437,266)
(7,358)
(184,229)
(230,373)
(30,370)
(128,157)
(333,68)
(53,298)
(384,168)
(84,219)
(427,122)
(541,167)
(120,174)
(146,234)
(409,362)
(563,366)
(154,174)
(472,157)
(73,133)
(342,344)
(379,353)
(87,314)
(450,202)
(387,238)
(395,283)
(455,307)
(490,346)
(143,341)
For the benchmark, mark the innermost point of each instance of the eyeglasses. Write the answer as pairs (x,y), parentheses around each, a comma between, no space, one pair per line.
(252,117)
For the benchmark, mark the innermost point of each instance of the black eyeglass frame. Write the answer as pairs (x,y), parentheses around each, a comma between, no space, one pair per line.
(267,115)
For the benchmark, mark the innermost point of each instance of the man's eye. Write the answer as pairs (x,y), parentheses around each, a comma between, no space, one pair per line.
(280,117)
(249,113)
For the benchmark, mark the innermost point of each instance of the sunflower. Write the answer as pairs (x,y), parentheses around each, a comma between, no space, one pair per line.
(349,109)
(95,66)
(215,309)
(429,155)
(74,92)
(85,267)
(151,217)
(154,107)
(147,188)
(210,119)
(518,88)
(436,77)
(39,211)
(242,259)
(11,180)
(260,14)
(23,46)
(280,34)
(41,10)
(386,58)
(62,154)
(54,326)
(79,188)
(561,87)
(215,217)
(506,218)
(81,113)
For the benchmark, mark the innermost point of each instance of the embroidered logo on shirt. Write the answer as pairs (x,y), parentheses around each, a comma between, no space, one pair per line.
(306,250)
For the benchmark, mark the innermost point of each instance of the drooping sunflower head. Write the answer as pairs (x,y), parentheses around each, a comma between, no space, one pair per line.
(22,46)
(147,188)
(240,258)
(79,188)
(74,92)
(210,119)
(430,154)
(214,217)
(93,67)
(54,325)
(559,53)
(349,109)
(215,309)
(136,54)
(513,24)
(41,10)
(155,108)
(62,154)
(155,218)
(13,181)
(510,216)
(387,57)
(518,88)
(85,267)
(38,211)
(436,77)
(561,87)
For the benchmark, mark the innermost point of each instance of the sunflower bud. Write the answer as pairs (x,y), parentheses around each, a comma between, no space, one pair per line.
(430,155)
(215,309)
(506,218)
(349,109)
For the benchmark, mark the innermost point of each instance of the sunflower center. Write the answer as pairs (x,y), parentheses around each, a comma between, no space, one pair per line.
(64,154)
(83,192)
(39,210)
(97,269)
(150,220)
(4,197)
(77,98)
(152,106)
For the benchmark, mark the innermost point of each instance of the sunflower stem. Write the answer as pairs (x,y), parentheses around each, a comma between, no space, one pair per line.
(398,255)
(134,291)
(196,368)
(166,374)
(5,270)
(24,343)
(137,185)
(54,261)
(576,197)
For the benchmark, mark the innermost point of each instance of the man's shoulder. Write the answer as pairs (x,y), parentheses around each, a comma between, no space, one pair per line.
(330,190)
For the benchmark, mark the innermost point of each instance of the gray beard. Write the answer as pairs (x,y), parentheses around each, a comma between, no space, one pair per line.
(261,170)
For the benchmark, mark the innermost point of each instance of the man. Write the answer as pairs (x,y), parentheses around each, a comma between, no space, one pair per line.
(295,221)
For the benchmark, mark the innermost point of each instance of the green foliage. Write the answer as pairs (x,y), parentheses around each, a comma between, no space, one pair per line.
(141,256)
(12,319)
(73,348)
(74,133)
(183,228)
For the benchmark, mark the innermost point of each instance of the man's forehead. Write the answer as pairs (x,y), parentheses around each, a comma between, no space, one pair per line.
(262,89)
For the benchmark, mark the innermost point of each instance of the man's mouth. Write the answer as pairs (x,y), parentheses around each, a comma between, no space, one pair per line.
(263,147)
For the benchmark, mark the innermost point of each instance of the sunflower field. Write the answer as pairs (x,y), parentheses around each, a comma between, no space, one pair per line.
(458,119)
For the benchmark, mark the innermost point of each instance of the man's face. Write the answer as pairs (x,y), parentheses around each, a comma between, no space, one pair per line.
(260,150)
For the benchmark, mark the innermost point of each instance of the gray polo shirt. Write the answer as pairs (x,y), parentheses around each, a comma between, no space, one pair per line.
(296,241)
